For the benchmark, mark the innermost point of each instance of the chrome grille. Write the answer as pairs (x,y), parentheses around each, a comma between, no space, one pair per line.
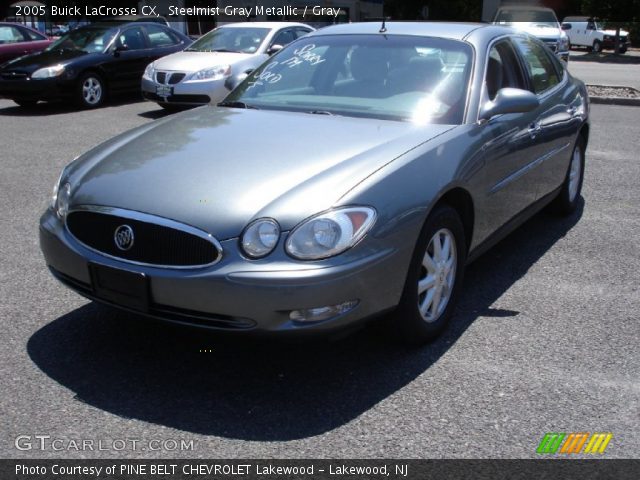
(169,78)
(155,241)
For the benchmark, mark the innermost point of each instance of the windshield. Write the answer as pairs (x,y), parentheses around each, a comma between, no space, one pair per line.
(240,40)
(394,77)
(539,17)
(89,40)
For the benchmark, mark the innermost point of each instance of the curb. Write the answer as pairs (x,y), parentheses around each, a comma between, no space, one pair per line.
(628,102)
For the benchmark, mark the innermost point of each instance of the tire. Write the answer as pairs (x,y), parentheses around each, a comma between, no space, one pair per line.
(622,51)
(91,90)
(26,103)
(567,200)
(418,320)
(597,46)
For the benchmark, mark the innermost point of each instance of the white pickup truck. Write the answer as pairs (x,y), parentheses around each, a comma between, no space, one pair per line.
(586,32)
(540,22)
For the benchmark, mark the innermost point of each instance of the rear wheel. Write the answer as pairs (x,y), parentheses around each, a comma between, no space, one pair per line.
(91,90)
(567,200)
(434,278)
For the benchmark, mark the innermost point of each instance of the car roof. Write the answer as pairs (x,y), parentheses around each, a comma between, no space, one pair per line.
(264,25)
(451,30)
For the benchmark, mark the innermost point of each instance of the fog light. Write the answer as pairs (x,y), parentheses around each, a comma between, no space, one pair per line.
(322,313)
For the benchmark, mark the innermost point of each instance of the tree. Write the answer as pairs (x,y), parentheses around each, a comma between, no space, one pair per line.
(462,10)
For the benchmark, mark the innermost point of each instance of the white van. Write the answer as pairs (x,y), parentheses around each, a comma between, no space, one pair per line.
(540,22)
(586,32)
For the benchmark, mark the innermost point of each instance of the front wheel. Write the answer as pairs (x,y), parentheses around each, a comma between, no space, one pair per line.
(597,46)
(434,278)
(91,91)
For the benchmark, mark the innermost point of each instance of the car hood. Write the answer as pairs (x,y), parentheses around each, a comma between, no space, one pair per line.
(219,168)
(194,61)
(537,29)
(31,63)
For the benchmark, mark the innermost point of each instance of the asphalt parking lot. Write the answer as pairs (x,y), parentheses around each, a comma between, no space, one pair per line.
(545,339)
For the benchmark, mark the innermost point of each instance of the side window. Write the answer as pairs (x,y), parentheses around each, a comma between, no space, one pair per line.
(541,69)
(160,37)
(503,69)
(284,37)
(10,34)
(132,39)
(31,35)
(301,32)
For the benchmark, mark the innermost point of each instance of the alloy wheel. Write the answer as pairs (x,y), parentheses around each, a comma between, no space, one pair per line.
(574,173)
(92,91)
(438,275)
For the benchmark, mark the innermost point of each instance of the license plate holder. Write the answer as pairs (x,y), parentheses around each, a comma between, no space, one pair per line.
(164,91)
(122,287)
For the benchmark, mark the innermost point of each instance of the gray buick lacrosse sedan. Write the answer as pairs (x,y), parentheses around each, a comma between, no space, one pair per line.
(354,173)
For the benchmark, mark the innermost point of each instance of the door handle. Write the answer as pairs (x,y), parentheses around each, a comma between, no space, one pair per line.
(534,129)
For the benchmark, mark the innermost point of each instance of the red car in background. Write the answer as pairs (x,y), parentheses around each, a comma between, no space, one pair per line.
(17,40)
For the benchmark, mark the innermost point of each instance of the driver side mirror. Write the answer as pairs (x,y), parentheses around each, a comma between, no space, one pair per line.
(120,48)
(274,49)
(509,100)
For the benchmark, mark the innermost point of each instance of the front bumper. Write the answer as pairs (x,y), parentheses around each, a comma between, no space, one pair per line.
(610,44)
(237,294)
(44,89)
(185,93)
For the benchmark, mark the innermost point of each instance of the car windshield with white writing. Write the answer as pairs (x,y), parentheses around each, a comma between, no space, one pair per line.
(394,77)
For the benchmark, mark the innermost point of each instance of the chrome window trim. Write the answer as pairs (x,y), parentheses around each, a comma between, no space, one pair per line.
(484,96)
(147,218)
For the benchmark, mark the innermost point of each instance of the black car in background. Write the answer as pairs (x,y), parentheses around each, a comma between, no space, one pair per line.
(89,63)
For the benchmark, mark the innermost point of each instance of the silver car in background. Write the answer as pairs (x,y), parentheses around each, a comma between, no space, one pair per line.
(204,71)
(381,160)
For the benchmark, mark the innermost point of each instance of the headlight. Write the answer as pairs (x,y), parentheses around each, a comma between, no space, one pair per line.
(215,73)
(149,71)
(48,72)
(62,202)
(260,237)
(330,233)
(563,44)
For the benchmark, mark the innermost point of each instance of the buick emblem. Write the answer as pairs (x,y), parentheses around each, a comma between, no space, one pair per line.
(123,237)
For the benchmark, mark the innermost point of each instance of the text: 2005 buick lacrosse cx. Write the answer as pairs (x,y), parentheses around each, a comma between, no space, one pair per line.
(353,173)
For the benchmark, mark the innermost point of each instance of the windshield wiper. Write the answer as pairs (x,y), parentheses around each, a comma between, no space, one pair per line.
(224,50)
(236,104)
